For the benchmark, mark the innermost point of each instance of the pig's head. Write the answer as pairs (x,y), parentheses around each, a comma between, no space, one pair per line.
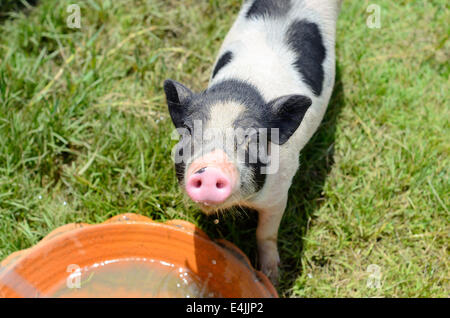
(227,133)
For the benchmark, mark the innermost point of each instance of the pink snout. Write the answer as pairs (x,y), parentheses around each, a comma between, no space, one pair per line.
(209,185)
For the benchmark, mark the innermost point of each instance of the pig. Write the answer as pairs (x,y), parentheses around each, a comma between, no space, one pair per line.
(271,82)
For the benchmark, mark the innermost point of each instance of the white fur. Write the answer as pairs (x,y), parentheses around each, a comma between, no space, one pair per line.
(261,57)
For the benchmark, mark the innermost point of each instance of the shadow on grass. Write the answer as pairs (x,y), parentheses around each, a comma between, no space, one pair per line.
(305,197)
(9,6)
(306,193)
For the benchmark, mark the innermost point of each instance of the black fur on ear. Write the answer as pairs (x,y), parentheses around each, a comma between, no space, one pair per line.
(178,97)
(287,113)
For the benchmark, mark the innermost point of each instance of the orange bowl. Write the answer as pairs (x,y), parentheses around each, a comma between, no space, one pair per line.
(131,256)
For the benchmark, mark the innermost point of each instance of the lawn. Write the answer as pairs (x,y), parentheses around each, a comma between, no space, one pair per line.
(85,135)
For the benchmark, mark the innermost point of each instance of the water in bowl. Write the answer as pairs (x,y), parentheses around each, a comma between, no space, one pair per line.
(133,278)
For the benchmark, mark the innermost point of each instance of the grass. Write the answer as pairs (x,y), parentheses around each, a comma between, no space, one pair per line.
(85,135)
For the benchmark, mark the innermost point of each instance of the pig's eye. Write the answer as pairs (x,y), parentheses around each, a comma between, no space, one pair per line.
(241,143)
(247,142)
(188,129)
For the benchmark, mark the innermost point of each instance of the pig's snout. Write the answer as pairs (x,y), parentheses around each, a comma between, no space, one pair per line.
(209,185)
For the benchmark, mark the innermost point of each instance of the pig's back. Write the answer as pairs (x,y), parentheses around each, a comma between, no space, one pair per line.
(284,49)
(281,47)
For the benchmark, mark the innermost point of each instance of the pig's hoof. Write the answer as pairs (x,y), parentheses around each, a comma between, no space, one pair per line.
(270,268)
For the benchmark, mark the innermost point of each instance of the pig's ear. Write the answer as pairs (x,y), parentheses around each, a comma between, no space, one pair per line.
(178,97)
(287,113)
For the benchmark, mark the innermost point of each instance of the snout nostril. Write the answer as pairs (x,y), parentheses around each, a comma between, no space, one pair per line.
(198,183)
(220,185)
(209,186)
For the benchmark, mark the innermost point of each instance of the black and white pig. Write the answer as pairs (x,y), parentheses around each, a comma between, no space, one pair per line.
(272,80)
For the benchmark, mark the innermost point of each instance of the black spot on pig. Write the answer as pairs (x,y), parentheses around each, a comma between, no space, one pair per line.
(268,8)
(223,61)
(286,114)
(257,164)
(180,165)
(185,106)
(179,171)
(178,97)
(234,90)
(305,39)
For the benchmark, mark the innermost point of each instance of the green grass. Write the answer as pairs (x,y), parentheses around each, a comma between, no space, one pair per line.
(85,135)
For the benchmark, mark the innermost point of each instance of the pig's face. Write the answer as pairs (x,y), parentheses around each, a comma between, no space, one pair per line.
(227,133)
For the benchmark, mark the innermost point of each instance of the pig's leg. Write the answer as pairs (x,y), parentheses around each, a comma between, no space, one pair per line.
(266,236)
